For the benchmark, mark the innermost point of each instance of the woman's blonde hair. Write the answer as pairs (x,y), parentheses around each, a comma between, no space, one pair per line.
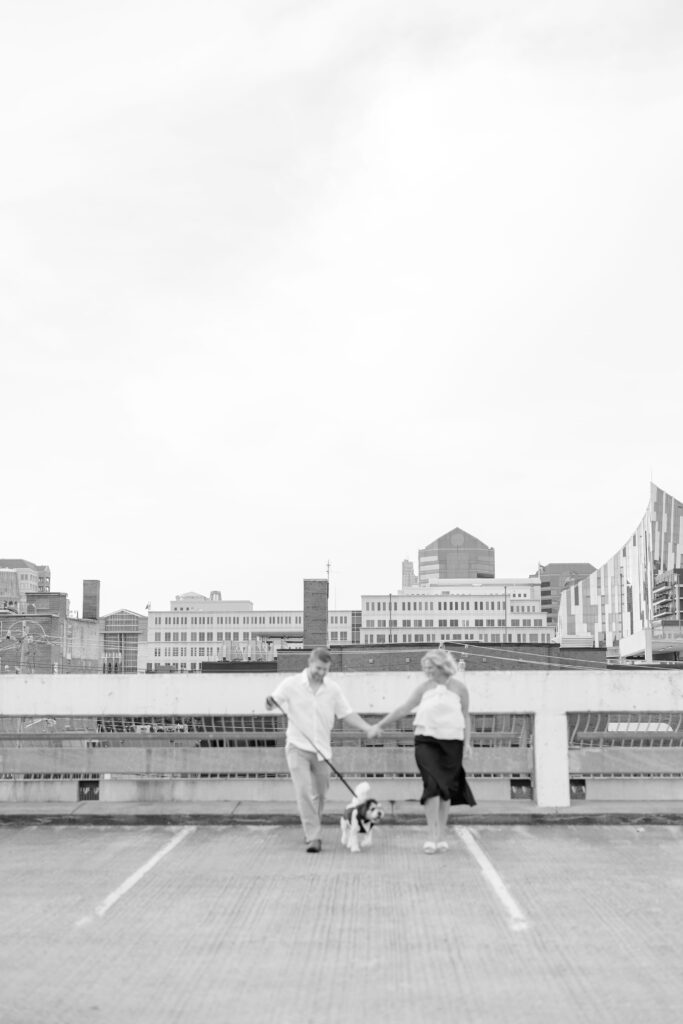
(440,659)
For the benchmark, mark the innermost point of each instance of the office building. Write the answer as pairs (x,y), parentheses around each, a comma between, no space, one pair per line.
(456,555)
(555,576)
(486,611)
(408,577)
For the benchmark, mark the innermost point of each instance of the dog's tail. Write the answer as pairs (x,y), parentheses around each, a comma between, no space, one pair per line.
(361,792)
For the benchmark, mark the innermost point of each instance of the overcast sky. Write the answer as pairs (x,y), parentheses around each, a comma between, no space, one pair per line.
(286,283)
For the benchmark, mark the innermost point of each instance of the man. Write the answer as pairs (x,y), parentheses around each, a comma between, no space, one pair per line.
(312,701)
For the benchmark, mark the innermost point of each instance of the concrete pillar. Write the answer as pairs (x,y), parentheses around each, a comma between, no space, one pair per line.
(551,759)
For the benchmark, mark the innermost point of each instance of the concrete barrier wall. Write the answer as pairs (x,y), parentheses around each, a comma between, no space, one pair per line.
(143,790)
(635,789)
(549,696)
(554,692)
(39,791)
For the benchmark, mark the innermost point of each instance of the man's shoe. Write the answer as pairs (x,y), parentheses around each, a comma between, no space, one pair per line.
(315,846)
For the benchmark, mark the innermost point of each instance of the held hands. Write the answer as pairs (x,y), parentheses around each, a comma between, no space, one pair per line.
(373,732)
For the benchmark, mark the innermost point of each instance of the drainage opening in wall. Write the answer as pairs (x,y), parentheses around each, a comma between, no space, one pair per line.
(520,789)
(88,789)
(577,789)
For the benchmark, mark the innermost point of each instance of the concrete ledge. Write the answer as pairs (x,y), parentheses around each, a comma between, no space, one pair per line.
(92,812)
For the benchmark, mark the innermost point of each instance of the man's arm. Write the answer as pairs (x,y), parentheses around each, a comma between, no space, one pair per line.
(279,694)
(357,722)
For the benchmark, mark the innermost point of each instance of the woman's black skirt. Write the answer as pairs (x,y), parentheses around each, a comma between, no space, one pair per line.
(440,764)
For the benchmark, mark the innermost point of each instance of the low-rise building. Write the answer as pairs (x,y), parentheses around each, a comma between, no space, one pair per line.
(18,577)
(198,629)
(124,635)
(47,639)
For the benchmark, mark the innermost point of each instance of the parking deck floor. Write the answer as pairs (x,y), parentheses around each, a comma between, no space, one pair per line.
(198,921)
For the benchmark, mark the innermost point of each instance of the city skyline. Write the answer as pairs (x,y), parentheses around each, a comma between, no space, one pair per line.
(290,284)
(355,602)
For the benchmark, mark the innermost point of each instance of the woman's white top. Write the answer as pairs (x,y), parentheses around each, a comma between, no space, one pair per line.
(439,714)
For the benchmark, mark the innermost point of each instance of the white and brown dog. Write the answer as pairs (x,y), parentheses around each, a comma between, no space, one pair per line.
(359,819)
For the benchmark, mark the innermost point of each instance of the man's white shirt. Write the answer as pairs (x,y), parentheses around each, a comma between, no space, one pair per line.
(311,715)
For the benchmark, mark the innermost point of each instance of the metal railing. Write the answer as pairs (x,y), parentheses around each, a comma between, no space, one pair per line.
(189,746)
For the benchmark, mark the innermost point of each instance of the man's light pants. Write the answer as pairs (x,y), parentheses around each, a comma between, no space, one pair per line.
(311,778)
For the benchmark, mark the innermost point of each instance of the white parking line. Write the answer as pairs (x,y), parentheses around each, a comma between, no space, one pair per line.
(517,919)
(106,904)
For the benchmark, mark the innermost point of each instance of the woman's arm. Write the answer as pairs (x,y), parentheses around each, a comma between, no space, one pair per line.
(464,694)
(405,707)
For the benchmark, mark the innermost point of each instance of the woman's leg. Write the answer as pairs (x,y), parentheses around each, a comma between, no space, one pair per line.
(444,808)
(431,807)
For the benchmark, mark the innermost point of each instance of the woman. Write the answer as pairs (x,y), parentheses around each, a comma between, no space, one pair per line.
(442,734)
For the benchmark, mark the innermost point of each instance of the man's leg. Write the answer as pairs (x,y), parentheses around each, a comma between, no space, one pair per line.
(301,764)
(321,782)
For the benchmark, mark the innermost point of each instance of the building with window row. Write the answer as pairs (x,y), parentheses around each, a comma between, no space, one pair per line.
(198,629)
(487,611)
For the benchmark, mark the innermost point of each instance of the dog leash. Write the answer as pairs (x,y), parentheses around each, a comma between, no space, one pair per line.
(319,752)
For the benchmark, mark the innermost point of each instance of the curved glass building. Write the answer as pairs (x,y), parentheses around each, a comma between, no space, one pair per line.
(633,604)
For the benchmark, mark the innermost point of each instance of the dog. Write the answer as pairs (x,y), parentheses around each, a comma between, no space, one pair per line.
(359,819)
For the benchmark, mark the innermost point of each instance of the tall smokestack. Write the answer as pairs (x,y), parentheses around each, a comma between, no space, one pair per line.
(315,613)
(91,599)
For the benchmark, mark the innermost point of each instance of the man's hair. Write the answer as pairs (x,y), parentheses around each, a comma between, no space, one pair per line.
(320,654)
